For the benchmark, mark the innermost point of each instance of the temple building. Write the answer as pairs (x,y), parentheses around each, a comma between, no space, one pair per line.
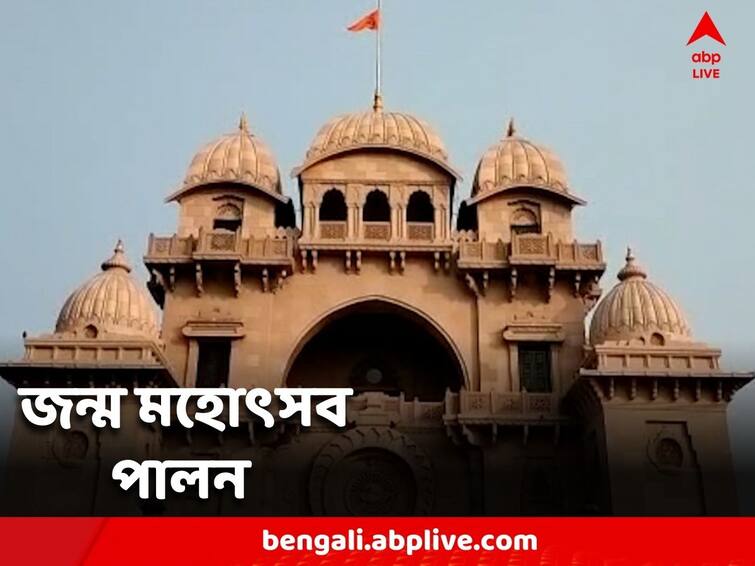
(478,389)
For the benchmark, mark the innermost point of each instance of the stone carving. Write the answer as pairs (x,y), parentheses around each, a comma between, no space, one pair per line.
(70,447)
(371,471)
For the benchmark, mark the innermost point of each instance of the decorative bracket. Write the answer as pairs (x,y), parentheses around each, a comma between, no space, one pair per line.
(551,282)
(472,284)
(237,278)
(513,277)
(280,279)
(198,278)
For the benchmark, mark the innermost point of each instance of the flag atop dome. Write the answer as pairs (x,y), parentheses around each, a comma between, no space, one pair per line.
(371,21)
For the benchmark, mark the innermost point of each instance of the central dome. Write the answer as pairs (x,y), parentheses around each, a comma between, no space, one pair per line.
(377,129)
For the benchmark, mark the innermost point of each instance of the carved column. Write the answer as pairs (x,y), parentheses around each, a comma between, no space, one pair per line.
(437,223)
(351,221)
(316,219)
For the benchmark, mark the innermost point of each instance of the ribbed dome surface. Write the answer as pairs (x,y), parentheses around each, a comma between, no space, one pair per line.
(636,309)
(111,302)
(377,129)
(238,157)
(517,162)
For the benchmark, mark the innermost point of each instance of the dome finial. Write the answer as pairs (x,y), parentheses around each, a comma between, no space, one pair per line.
(511,129)
(377,103)
(631,268)
(243,123)
(118,259)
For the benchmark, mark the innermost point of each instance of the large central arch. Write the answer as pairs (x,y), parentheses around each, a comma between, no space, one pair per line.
(376,343)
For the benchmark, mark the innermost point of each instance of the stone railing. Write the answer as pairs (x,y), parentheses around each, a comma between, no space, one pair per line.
(419,231)
(220,244)
(377,230)
(170,246)
(377,409)
(380,409)
(530,248)
(332,230)
(483,251)
(496,406)
(532,245)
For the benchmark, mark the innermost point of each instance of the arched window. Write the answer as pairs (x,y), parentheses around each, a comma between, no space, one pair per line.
(333,206)
(227,217)
(376,207)
(420,208)
(524,221)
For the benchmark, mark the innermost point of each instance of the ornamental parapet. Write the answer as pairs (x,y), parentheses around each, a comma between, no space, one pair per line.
(494,407)
(381,239)
(530,249)
(270,260)
(222,245)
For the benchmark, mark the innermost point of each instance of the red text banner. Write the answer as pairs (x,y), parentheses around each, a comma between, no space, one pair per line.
(427,540)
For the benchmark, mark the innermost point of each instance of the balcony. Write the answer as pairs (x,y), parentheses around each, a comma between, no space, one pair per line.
(221,245)
(531,249)
(471,407)
(392,242)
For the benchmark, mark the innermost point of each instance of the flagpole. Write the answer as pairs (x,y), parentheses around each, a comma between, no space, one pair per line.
(378,49)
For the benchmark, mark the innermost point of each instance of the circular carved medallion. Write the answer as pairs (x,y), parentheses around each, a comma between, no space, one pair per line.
(666,454)
(371,471)
(70,447)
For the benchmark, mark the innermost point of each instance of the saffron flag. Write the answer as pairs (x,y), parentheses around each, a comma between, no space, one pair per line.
(370,21)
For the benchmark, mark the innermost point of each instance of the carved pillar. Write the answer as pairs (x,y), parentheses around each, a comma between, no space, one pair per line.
(316,219)
(437,223)
(351,221)
(395,221)
(444,219)
(359,230)
(404,229)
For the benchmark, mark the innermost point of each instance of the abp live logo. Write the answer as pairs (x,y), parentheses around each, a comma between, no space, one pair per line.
(705,63)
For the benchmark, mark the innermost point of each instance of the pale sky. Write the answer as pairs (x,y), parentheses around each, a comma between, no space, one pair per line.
(104,103)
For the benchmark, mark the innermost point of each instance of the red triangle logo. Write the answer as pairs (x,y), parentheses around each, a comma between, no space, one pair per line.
(706,27)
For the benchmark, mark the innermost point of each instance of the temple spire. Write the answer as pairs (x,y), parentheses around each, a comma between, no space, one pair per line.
(118,259)
(511,129)
(631,268)
(243,123)
(377,103)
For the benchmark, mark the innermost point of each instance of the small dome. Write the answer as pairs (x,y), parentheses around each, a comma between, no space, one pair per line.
(377,129)
(635,309)
(239,157)
(110,303)
(516,162)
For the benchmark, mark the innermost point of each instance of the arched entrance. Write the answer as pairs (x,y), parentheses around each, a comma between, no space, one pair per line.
(377,345)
